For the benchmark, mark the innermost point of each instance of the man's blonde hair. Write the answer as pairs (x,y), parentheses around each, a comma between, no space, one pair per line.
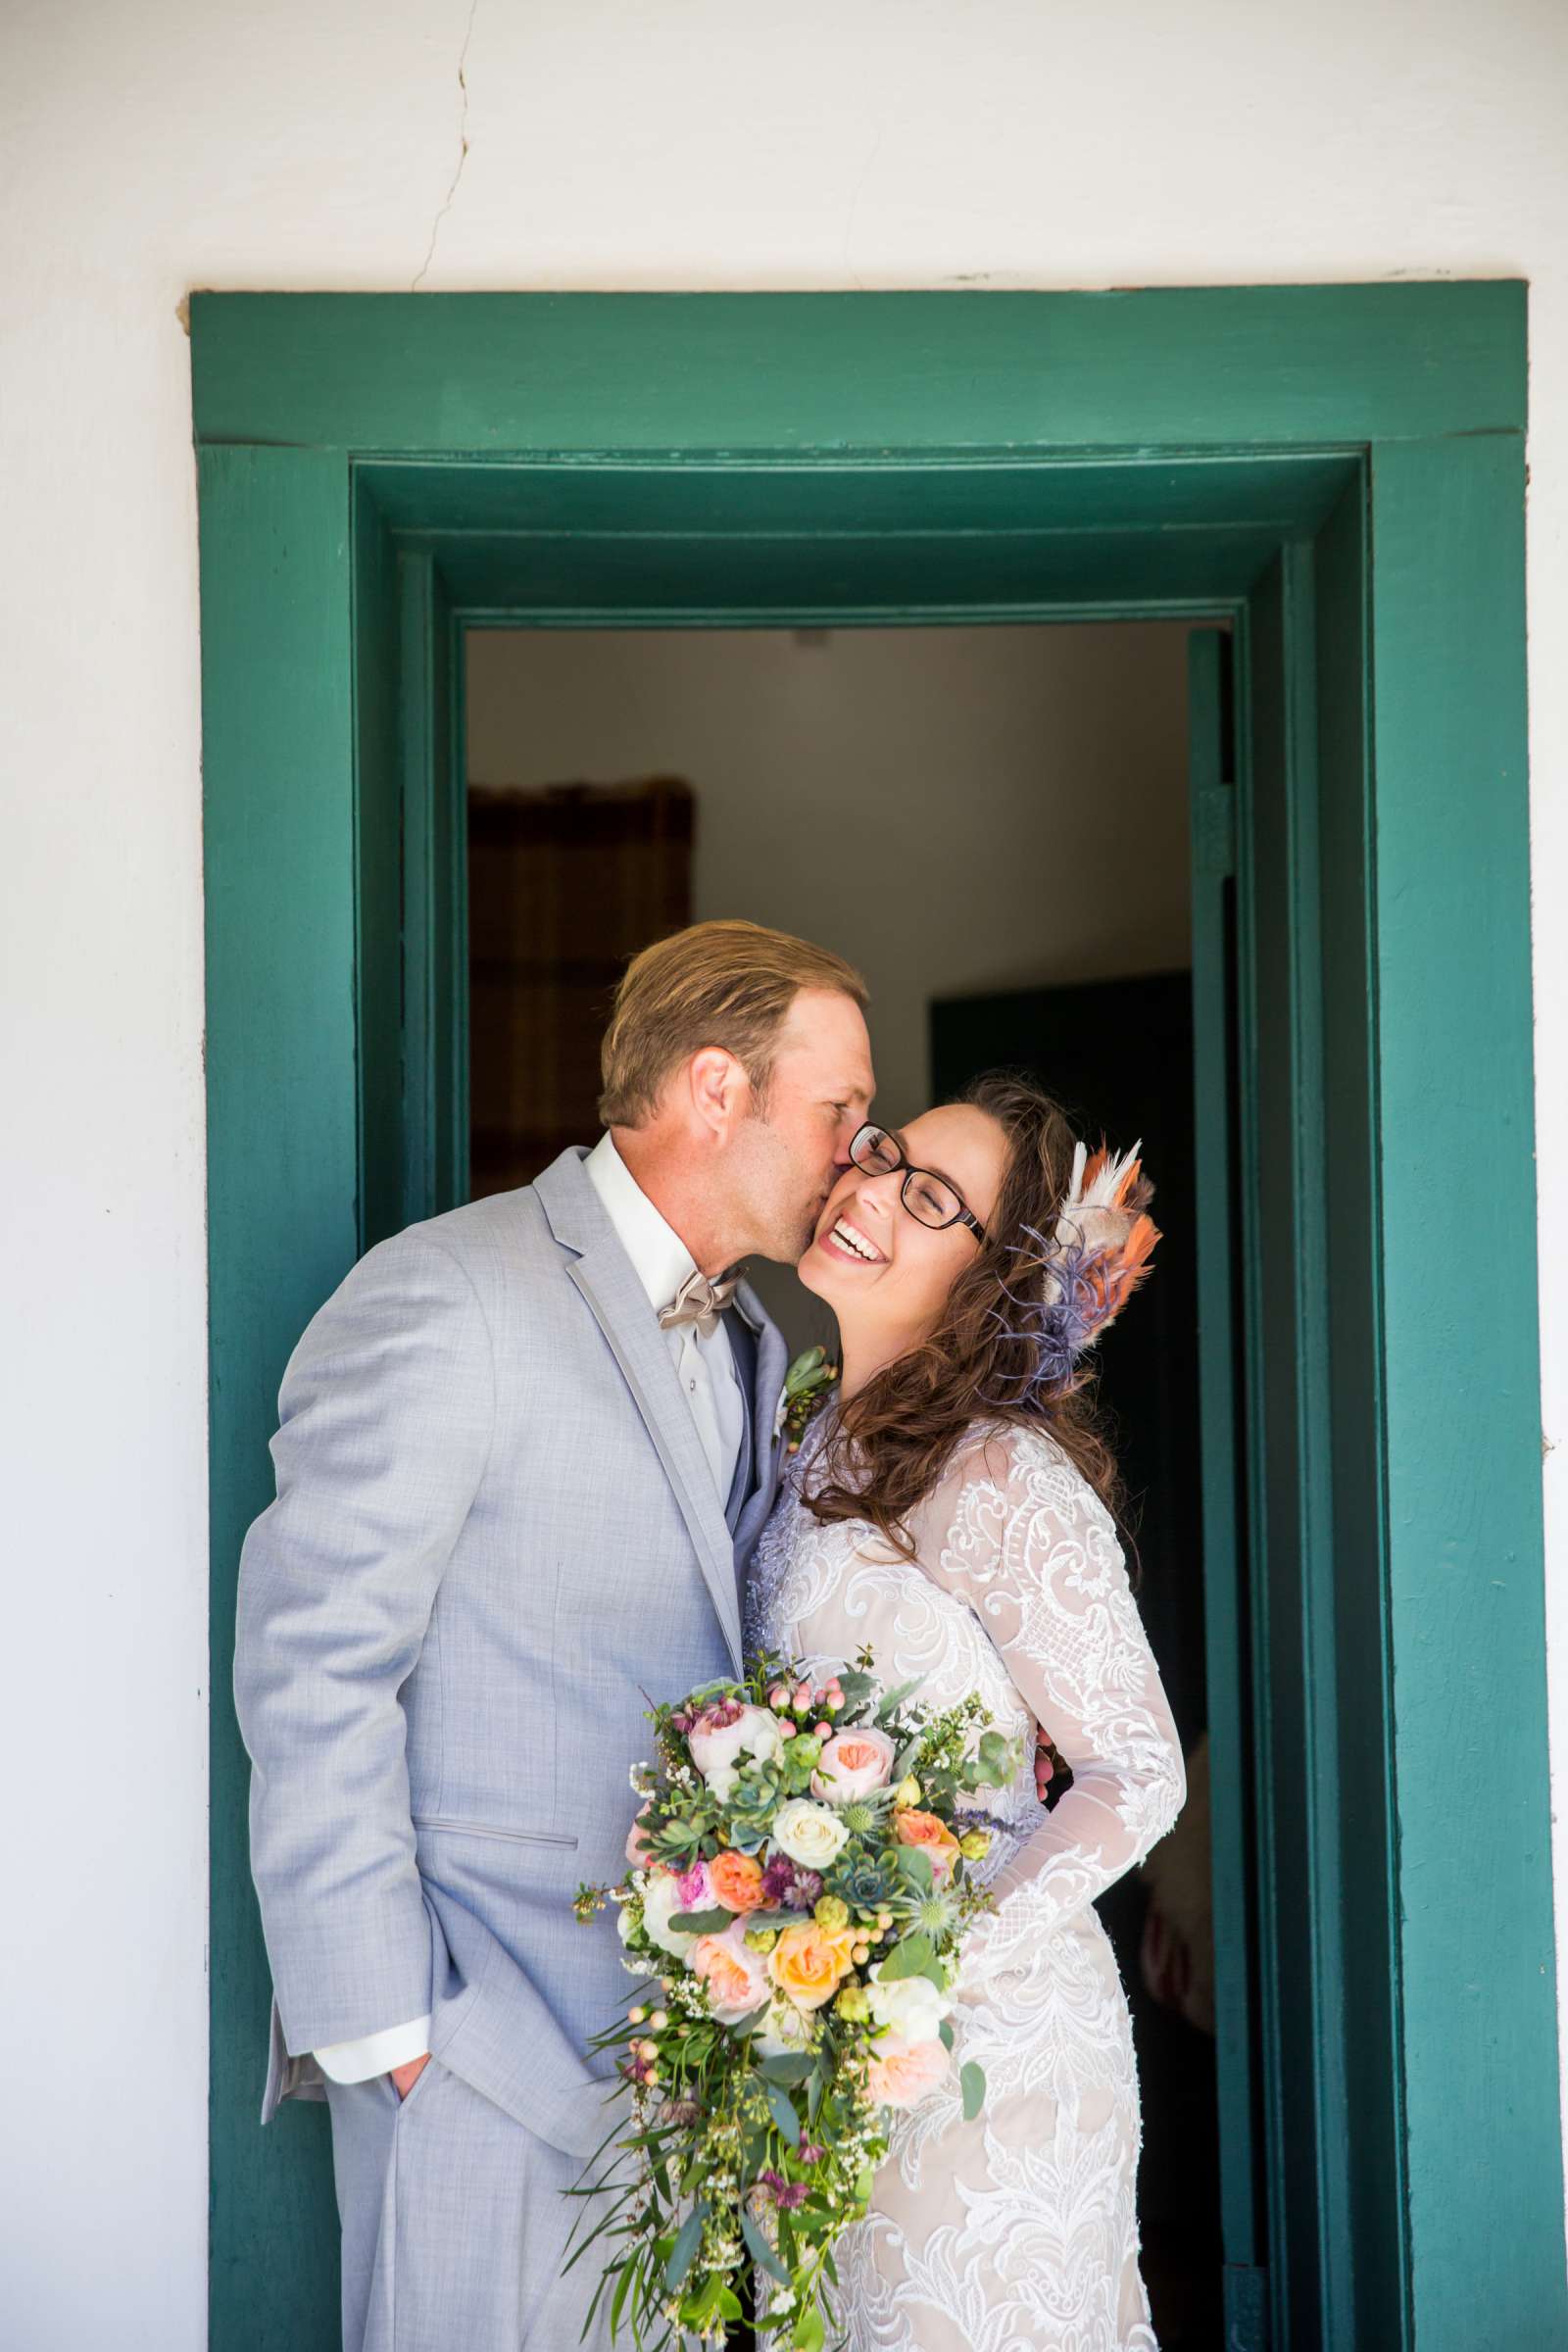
(728,983)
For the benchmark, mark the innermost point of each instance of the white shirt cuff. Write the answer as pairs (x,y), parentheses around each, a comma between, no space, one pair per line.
(374,2053)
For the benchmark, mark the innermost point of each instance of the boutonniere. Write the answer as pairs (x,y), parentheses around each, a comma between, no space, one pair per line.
(808,1384)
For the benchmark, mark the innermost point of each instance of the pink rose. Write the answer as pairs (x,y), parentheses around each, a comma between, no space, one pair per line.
(735,1975)
(903,2072)
(696,1891)
(853,1763)
(637,1849)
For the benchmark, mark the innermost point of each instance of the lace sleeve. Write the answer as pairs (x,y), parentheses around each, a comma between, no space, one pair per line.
(1028,1546)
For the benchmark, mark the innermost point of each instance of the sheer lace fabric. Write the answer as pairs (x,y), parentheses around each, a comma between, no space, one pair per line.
(1016,2232)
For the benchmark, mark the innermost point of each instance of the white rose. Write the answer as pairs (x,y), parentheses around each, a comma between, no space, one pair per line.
(910,2006)
(717,1748)
(662,1897)
(783,2032)
(809,1834)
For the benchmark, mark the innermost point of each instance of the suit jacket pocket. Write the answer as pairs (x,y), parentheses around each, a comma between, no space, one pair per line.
(485,1829)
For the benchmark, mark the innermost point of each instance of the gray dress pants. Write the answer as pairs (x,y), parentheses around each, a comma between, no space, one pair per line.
(454,2224)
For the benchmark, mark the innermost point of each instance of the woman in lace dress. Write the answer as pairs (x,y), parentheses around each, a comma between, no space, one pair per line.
(952,1510)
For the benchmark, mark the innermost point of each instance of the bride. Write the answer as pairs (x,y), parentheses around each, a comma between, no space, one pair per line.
(952,1509)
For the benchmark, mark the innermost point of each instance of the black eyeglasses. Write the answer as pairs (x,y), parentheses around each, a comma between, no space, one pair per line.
(931,1199)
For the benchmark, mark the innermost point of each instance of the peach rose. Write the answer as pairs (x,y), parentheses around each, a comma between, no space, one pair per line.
(735,1977)
(736,1880)
(809,1963)
(903,2072)
(911,1826)
(853,1763)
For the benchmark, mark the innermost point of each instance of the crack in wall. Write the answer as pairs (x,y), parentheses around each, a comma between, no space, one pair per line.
(463,149)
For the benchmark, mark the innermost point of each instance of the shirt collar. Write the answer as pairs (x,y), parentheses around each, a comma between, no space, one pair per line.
(661,1259)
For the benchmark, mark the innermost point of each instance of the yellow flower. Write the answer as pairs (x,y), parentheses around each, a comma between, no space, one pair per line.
(907,1791)
(809,1963)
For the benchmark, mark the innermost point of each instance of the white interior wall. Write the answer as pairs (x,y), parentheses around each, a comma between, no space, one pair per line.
(843,143)
(955,809)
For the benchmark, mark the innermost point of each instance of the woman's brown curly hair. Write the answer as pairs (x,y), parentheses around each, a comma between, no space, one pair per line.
(897,1435)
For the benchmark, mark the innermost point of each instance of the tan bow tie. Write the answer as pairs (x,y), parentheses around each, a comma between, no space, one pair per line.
(699,1301)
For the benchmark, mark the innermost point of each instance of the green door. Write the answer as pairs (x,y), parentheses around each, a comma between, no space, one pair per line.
(1338,472)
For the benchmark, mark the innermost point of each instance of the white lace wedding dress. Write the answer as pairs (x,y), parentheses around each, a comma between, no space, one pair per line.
(1017,2233)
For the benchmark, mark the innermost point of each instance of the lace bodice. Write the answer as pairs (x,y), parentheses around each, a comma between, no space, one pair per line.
(1022,2232)
(1018,1590)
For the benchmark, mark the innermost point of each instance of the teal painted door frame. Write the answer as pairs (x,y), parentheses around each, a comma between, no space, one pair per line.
(376,473)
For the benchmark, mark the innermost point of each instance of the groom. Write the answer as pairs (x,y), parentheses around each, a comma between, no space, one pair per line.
(525,1452)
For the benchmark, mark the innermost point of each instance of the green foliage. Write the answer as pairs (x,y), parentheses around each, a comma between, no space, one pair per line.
(732,2158)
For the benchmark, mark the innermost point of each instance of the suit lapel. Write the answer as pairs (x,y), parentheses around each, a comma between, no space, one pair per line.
(603,1273)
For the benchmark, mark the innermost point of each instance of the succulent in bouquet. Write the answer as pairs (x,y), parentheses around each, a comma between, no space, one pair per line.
(800,1881)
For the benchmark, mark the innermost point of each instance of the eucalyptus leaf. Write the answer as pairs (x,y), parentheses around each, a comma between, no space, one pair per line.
(892,1699)
(916,1865)
(701,1922)
(972,2082)
(761,2251)
(687,2240)
(784,2115)
(912,1957)
(792,2067)
(946,2031)
(808,2336)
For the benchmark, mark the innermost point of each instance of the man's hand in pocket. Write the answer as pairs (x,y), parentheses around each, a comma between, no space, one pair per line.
(406,2077)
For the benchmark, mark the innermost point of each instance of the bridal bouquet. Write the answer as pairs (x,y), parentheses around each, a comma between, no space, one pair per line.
(800,1887)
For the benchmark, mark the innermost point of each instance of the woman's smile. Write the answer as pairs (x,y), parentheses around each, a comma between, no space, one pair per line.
(845,1239)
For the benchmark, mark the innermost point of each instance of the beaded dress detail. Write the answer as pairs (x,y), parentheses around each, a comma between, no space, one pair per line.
(1016,2232)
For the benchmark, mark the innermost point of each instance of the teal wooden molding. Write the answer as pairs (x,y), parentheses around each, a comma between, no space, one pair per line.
(891,374)
(1339,472)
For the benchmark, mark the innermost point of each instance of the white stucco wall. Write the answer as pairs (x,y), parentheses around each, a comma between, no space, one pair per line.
(840,143)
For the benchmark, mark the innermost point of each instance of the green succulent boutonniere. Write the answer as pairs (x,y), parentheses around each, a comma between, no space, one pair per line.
(807,1384)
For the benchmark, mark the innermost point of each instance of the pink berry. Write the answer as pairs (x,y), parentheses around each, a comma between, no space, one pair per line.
(778,1697)
(823,1731)
(802,1695)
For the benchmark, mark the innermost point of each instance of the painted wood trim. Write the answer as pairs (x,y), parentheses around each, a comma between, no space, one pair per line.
(1212,794)
(283,1145)
(893,372)
(1466,1628)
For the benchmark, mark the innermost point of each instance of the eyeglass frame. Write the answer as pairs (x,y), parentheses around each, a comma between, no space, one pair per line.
(962,1216)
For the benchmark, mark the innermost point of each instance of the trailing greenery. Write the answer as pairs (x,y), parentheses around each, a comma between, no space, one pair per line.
(801,1888)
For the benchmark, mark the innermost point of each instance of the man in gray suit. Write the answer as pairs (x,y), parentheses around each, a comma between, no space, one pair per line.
(525,1452)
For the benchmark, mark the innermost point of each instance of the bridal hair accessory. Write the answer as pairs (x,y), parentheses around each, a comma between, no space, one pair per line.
(1091,1264)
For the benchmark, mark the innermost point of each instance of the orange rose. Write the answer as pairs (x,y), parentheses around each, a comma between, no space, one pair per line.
(736,1880)
(809,1964)
(933,1836)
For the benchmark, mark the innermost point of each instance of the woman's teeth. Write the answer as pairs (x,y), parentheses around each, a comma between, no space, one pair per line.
(848,1239)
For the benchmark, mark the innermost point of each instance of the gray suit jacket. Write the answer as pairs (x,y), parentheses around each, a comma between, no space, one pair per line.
(495,1532)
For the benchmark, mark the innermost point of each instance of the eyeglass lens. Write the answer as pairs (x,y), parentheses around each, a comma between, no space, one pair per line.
(927,1198)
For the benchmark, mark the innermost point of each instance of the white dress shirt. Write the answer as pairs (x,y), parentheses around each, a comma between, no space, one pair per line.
(705,1370)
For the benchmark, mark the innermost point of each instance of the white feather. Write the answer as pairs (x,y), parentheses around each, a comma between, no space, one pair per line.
(1103,1192)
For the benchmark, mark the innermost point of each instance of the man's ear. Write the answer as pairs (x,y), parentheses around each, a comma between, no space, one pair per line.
(719,1088)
